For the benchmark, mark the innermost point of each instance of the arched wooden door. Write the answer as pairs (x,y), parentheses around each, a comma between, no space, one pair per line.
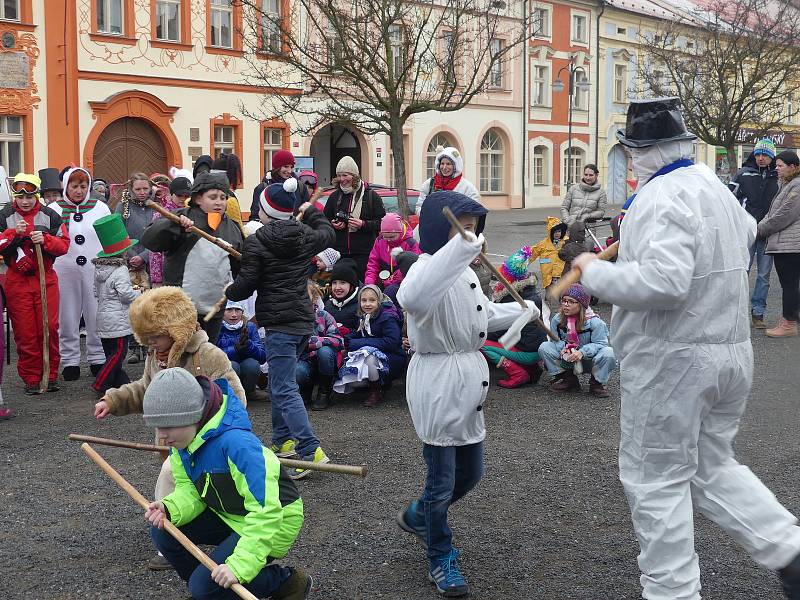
(128,145)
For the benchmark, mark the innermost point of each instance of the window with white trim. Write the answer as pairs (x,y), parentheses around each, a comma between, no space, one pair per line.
(9,10)
(271,143)
(449,60)
(541,22)
(11,145)
(492,155)
(496,71)
(168,20)
(541,85)
(335,48)
(438,143)
(224,139)
(395,50)
(580,29)
(620,82)
(271,26)
(581,91)
(222,23)
(109,17)
(540,165)
(573,165)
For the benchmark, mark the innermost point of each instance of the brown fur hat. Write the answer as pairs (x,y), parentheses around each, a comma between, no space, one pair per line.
(166,310)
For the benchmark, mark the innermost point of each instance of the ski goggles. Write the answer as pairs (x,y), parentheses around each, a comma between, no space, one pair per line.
(24,188)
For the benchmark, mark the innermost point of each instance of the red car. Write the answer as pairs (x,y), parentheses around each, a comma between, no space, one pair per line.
(389,197)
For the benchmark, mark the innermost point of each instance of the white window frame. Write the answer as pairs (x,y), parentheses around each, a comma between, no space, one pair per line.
(542,28)
(439,139)
(541,86)
(222,145)
(17,10)
(162,20)
(492,162)
(581,99)
(575,162)
(269,146)
(335,48)
(270,26)
(221,11)
(453,72)
(104,9)
(497,74)
(7,139)
(573,36)
(397,37)
(620,82)
(540,166)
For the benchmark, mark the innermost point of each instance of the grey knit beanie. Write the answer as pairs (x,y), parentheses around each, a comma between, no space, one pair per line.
(174,398)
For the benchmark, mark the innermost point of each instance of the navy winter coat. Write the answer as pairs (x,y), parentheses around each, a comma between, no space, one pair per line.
(228,338)
(386,335)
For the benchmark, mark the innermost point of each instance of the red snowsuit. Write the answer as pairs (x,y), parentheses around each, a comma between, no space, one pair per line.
(22,286)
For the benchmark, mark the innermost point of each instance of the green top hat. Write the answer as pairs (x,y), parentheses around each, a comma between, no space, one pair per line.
(113,236)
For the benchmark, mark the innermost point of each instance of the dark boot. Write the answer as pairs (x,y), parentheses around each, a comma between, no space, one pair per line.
(598,389)
(305,393)
(790,579)
(95,369)
(535,372)
(375,395)
(297,587)
(324,390)
(517,376)
(71,373)
(567,382)
(256,395)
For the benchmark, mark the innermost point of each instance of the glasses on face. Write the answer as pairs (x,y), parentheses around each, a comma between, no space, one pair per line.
(568,301)
(22,188)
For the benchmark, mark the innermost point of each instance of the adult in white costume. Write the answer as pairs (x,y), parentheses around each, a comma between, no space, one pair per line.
(682,331)
(448,175)
(76,277)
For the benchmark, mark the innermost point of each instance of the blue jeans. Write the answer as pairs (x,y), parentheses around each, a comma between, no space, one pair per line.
(248,371)
(289,416)
(600,366)
(323,363)
(763,261)
(452,472)
(208,528)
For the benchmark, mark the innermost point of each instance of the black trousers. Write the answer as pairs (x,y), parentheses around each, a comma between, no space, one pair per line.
(112,375)
(788,268)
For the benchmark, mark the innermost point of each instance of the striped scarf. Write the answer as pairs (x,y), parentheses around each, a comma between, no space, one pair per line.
(68,209)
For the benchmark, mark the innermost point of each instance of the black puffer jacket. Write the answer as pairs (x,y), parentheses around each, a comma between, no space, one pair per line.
(757,187)
(275,263)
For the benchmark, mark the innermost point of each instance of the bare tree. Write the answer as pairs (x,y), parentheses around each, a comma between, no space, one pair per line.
(732,64)
(373,64)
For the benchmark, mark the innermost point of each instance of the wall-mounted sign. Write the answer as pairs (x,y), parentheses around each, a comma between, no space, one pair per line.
(15,67)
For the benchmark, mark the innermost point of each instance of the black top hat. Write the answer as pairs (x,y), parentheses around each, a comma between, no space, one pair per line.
(50,180)
(653,122)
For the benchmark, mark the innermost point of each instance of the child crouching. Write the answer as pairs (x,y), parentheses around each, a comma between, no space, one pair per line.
(215,455)
(240,340)
(114,292)
(583,346)
(375,351)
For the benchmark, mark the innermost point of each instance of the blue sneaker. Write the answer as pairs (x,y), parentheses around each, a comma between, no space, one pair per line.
(446,575)
(412,520)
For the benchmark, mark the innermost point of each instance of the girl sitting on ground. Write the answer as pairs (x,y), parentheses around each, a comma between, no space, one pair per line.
(343,302)
(375,350)
(239,339)
(582,346)
(395,237)
(319,362)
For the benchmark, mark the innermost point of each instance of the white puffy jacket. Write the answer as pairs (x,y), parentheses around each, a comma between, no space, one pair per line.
(114,292)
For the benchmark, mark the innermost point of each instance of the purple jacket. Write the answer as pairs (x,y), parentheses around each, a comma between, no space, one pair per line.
(381,259)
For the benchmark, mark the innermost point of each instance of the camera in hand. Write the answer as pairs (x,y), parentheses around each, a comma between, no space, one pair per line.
(340,216)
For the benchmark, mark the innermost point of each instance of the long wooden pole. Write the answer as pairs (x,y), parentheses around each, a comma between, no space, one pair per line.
(199,232)
(286,462)
(574,275)
(498,275)
(43,384)
(184,541)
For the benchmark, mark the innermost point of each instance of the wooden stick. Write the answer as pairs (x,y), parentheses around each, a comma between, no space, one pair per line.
(43,385)
(215,309)
(176,219)
(485,260)
(574,275)
(184,541)
(286,462)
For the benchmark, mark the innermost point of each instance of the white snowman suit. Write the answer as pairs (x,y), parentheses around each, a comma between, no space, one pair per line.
(76,282)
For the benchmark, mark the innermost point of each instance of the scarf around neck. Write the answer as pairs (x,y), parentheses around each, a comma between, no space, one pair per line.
(233,326)
(440,182)
(339,304)
(68,208)
(357,201)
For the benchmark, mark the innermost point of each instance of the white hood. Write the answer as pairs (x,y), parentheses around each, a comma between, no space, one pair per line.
(66,180)
(454,155)
(647,161)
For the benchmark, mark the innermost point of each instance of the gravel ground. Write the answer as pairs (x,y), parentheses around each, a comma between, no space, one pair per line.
(549,520)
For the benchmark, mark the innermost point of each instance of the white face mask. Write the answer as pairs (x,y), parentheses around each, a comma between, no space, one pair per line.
(647,161)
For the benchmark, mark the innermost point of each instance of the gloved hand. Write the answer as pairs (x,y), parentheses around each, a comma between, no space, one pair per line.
(511,337)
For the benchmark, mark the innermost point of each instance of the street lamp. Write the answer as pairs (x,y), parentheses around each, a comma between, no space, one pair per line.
(558,87)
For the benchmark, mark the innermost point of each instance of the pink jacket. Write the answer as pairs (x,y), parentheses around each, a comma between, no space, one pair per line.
(381,259)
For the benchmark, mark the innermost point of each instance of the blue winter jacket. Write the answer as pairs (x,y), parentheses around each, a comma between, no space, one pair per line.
(228,338)
(593,337)
(386,335)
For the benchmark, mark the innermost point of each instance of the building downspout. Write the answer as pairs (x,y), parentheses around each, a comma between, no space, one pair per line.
(597,83)
(524,99)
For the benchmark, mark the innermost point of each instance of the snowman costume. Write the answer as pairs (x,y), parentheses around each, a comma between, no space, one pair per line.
(681,328)
(76,275)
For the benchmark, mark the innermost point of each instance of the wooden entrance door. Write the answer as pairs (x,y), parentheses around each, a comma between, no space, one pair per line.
(126,146)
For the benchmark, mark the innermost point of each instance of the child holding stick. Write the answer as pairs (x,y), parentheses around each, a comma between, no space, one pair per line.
(448,319)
